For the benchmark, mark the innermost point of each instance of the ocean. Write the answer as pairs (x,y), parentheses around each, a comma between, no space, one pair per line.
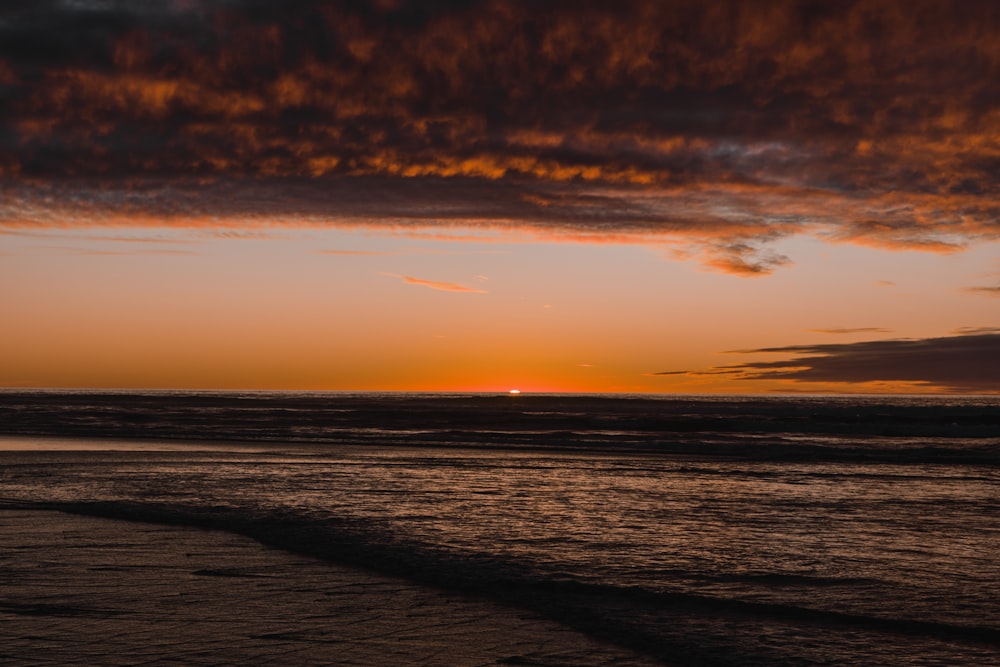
(701,530)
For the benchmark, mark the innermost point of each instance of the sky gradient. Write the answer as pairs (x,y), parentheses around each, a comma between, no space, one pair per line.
(559,196)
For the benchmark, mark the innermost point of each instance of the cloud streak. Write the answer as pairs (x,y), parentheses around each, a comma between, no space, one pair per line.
(722,126)
(839,331)
(963,363)
(436,284)
(987,290)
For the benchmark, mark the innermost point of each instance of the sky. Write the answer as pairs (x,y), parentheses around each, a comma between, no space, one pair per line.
(459,195)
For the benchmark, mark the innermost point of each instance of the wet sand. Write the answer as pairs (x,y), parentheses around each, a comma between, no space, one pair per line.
(78,590)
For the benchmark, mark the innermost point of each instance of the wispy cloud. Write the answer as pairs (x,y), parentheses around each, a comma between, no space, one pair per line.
(989,290)
(436,284)
(100,238)
(962,331)
(72,250)
(963,363)
(248,235)
(855,330)
(408,251)
(357,253)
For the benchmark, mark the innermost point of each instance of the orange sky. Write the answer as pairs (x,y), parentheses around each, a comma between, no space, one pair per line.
(485,195)
(189,309)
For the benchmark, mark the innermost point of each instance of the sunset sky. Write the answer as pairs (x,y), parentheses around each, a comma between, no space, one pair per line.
(687,196)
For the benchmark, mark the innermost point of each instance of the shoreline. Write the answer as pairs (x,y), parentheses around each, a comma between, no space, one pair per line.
(80,589)
(371,515)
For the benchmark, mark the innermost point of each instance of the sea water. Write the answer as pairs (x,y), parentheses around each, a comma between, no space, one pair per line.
(700,530)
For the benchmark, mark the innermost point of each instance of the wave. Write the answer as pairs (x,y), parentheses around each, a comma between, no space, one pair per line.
(658,623)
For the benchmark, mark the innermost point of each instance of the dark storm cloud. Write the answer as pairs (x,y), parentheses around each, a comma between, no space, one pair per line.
(953,363)
(723,124)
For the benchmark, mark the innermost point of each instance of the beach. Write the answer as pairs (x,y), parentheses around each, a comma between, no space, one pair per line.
(78,590)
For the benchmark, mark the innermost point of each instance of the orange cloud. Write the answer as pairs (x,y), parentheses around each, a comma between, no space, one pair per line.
(718,126)
(436,284)
(855,330)
(356,253)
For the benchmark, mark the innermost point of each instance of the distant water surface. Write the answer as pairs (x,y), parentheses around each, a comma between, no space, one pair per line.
(709,530)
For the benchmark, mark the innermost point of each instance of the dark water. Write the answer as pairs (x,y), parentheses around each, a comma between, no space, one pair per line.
(711,530)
